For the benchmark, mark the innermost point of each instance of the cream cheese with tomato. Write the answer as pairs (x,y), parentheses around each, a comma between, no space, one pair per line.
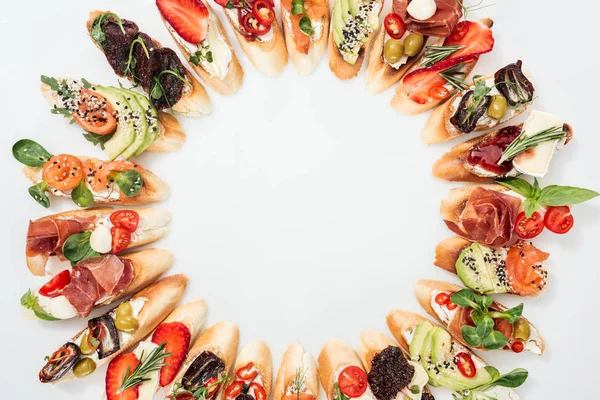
(233,17)
(367,395)
(442,311)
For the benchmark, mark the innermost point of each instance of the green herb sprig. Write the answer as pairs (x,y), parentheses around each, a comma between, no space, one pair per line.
(200,393)
(305,25)
(512,380)
(158,90)
(96,31)
(96,139)
(152,363)
(299,382)
(452,76)
(30,301)
(474,7)
(203,53)
(131,61)
(435,54)
(523,142)
(338,393)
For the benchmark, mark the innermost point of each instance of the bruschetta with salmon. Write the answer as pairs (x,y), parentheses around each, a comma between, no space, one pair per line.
(297,378)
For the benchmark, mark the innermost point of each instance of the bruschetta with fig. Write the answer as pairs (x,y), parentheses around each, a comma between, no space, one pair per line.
(252,374)
(200,36)
(297,378)
(112,333)
(141,59)
(122,121)
(155,361)
(477,320)
(87,180)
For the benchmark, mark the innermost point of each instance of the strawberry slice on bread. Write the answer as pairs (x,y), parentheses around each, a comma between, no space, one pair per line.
(176,337)
(476,37)
(189,18)
(118,368)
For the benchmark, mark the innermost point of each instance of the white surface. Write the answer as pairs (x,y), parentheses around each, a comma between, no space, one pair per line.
(304,208)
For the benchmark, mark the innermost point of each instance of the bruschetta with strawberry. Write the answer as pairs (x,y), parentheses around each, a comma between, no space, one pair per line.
(141,59)
(86,180)
(297,378)
(122,121)
(200,36)
(252,374)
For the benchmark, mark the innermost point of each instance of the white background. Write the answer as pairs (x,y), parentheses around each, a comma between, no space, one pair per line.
(304,208)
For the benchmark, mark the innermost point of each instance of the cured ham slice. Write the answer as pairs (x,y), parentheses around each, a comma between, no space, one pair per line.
(441,24)
(83,291)
(107,270)
(48,235)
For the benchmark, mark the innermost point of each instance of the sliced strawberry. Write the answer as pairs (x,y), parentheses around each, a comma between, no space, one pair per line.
(189,18)
(177,338)
(419,82)
(477,40)
(117,369)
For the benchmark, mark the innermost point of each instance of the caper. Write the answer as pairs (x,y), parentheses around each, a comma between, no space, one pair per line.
(522,330)
(413,44)
(127,324)
(393,50)
(124,309)
(84,346)
(497,107)
(84,367)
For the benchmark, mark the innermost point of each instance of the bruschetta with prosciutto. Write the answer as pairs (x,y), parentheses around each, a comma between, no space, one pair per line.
(87,180)
(156,361)
(112,333)
(252,374)
(122,121)
(297,378)
(141,59)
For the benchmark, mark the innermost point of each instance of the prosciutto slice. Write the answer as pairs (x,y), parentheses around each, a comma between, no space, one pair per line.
(442,23)
(107,270)
(83,291)
(45,237)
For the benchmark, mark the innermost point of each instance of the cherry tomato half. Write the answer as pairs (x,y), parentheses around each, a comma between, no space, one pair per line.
(559,219)
(126,219)
(247,372)
(442,298)
(120,239)
(56,284)
(518,346)
(353,381)
(251,24)
(263,11)
(465,365)
(439,92)
(258,391)
(234,389)
(461,30)
(394,26)
(527,228)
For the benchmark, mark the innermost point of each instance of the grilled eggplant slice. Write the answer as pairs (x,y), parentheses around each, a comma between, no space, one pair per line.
(514,85)
(207,365)
(60,362)
(104,327)
(466,120)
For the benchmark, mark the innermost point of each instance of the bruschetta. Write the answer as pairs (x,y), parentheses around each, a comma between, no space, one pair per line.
(488,102)
(122,121)
(87,180)
(257,30)
(526,149)
(353,26)
(141,59)
(252,374)
(389,373)
(508,330)
(306,29)
(447,362)
(297,378)
(156,361)
(206,367)
(112,333)
(202,39)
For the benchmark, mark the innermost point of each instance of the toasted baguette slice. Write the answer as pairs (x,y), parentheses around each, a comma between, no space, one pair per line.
(159,299)
(335,354)
(222,339)
(193,102)
(452,207)
(453,165)
(402,103)
(424,294)
(447,252)
(305,64)
(259,354)
(235,74)
(296,361)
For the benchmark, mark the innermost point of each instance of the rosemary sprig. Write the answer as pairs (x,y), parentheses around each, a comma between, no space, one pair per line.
(523,143)
(434,54)
(146,365)
(451,75)
(299,381)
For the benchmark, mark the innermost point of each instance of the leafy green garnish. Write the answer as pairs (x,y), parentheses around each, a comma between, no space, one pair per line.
(203,53)
(96,139)
(338,393)
(511,380)
(30,301)
(306,26)
(96,31)
(201,392)
(154,362)
(86,84)
(77,247)
(299,382)
(298,7)
(474,7)
(30,153)
(435,54)
(230,4)
(130,182)
(131,60)
(523,142)
(452,76)
(158,90)
(38,192)
(82,195)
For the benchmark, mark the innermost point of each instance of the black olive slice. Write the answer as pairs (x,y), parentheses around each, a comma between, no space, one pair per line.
(104,327)
(207,365)
(60,362)
(466,119)
(390,373)
(513,84)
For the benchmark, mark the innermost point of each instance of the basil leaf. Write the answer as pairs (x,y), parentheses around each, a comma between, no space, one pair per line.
(464,298)
(38,192)
(493,371)
(77,247)
(298,7)
(511,315)
(50,81)
(530,206)
(130,182)
(96,139)
(513,379)
(82,195)
(30,153)
(555,195)
(30,301)
(495,340)
(518,185)
(484,327)
(306,26)
(470,335)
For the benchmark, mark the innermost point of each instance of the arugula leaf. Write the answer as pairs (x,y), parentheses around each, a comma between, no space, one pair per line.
(30,301)
(298,7)
(555,195)
(495,340)
(306,26)
(82,195)
(38,192)
(50,81)
(77,247)
(30,153)
(96,139)
(470,335)
(130,182)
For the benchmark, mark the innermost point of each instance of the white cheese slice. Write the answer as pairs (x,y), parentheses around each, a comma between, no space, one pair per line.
(101,239)
(149,387)
(59,307)
(422,9)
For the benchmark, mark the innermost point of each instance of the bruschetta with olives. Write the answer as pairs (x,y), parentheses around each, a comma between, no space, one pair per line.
(156,361)
(198,33)
(112,333)
(141,59)
(122,121)
(252,374)
(477,320)
(87,180)
(297,378)
(206,367)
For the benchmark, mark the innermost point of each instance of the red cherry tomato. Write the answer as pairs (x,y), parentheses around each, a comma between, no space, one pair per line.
(451,306)
(527,228)
(518,346)
(461,30)
(559,219)
(258,391)
(442,298)
(264,12)
(126,219)
(394,26)
(252,25)
(439,92)
(56,284)
(353,381)
(465,365)
(121,238)
(234,389)
(247,372)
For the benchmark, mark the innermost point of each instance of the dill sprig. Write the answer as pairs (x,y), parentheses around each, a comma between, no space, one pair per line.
(452,76)
(298,382)
(146,365)
(523,143)
(434,54)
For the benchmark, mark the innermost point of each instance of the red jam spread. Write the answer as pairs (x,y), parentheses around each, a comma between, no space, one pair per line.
(487,154)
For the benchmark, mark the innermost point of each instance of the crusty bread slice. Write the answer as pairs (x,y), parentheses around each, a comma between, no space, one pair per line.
(305,64)
(447,252)
(295,361)
(259,354)
(334,355)
(398,321)
(452,207)
(372,343)
(402,103)
(193,102)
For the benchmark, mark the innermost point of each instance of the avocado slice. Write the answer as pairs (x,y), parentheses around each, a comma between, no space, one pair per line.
(151,116)
(125,134)
(418,339)
(453,379)
(477,268)
(338,23)
(441,342)
(140,124)
(344,9)
(353,6)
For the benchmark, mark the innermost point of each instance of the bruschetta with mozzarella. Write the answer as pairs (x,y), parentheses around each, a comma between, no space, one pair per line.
(112,333)
(202,39)
(297,378)
(122,121)
(156,361)
(252,374)
(141,59)
(87,180)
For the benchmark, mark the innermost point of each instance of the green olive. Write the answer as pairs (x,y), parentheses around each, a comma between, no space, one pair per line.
(84,346)
(393,50)
(84,367)
(413,44)
(522,330)
(497,107)
(124,309)
(127,324)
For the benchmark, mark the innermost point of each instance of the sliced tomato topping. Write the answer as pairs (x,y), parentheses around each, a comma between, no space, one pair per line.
(258,391)
(528,228)
(247,372)
(95,113)
(63,172)
(234,389)
(353,381)
(126,219)
(394,26)
(465,365)
(523,270)
(120,239)
(476,38)
(56,284)
(559,219)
